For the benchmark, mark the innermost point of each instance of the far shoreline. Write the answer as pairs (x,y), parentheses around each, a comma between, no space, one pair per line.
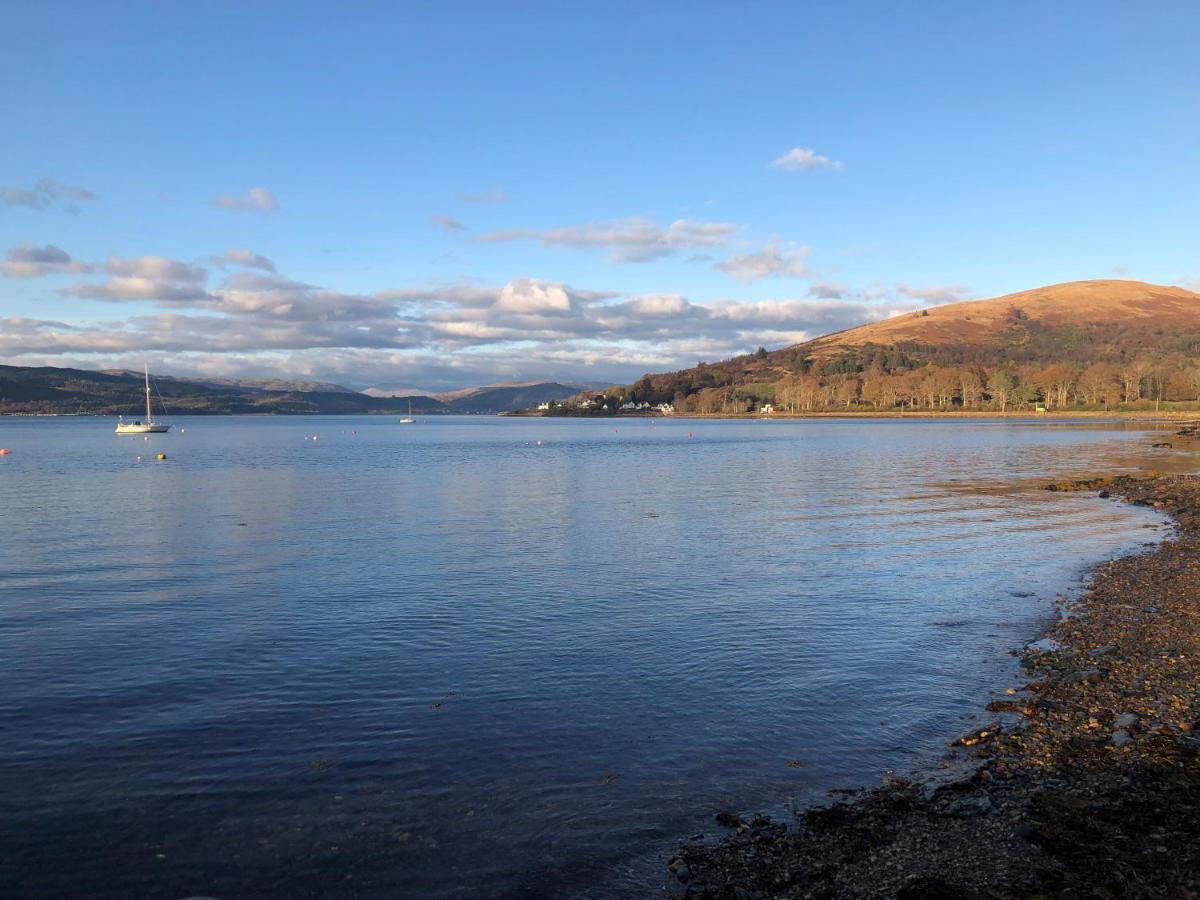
(965,415)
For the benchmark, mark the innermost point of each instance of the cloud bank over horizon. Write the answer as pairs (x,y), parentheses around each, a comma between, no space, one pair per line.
(238,316)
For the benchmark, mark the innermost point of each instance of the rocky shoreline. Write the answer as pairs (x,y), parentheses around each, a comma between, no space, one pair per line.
(1086,785)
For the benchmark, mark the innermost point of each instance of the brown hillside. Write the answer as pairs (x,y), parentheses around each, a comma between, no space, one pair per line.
(1087,344)
(1089,305)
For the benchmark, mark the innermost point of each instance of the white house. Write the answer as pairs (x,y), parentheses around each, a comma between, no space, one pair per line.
(766,409)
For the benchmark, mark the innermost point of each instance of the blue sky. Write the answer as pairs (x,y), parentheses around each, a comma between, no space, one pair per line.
(448,194)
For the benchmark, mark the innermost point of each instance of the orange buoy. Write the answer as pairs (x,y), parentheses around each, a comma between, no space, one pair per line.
(3,451)
(160,456)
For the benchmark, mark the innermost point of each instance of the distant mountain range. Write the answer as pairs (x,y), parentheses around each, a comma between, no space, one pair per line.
(280,385)
(1085,344)
(48,390)
(508,397)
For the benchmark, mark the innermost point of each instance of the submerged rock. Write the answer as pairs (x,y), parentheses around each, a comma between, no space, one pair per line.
(968,807)
(1082,676)
(978,736)
(1125,721)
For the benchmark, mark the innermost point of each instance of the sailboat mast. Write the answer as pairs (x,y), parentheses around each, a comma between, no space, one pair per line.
(148,416)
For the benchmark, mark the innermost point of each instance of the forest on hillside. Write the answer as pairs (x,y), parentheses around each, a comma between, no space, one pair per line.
(915,377)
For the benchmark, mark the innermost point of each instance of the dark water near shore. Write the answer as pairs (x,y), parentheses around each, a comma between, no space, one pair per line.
(443,660)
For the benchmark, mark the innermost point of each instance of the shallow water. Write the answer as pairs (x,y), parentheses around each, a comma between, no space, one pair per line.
(447,660)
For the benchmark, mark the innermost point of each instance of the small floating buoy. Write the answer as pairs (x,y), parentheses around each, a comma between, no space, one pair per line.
(689,435)
(160,456)
(139,459)
(3,451)
(539,443)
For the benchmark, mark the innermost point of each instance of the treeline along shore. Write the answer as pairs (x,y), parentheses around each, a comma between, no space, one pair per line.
(1087,784)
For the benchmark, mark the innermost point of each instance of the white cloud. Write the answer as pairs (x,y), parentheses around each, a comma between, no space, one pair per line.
(526,295)
(773,259)
(934,294)
(257,199)
(28,261)
(279,298)
(156,267)
(900,294)
(146,278)
(493,196)
(660,305)
(244,257)
(47,192)
(446,222)
(629,240)
(802,158)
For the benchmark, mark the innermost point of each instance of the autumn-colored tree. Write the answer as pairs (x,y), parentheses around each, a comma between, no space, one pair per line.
(1100,383)
(1057,382)
(970,382)
(846,390)
(872,389)
(1180,387)
(910,388)
(1000,386)
(1131,379)
(944,385)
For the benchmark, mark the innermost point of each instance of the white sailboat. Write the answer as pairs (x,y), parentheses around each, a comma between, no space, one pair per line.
(408,420)
(147,427)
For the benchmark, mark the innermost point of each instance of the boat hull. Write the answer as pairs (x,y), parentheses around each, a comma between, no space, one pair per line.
(140,428)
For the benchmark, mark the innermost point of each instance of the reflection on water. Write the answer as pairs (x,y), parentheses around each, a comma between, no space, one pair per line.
(448,661)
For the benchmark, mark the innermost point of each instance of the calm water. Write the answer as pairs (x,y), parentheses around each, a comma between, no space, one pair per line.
(445,660)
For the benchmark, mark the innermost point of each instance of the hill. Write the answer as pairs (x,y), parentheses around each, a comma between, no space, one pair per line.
(283,385)
(1092,318)
(48,390)
(1086,345)
(507,397)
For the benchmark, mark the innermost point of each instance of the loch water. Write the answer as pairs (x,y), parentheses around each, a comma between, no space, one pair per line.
(477,657)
